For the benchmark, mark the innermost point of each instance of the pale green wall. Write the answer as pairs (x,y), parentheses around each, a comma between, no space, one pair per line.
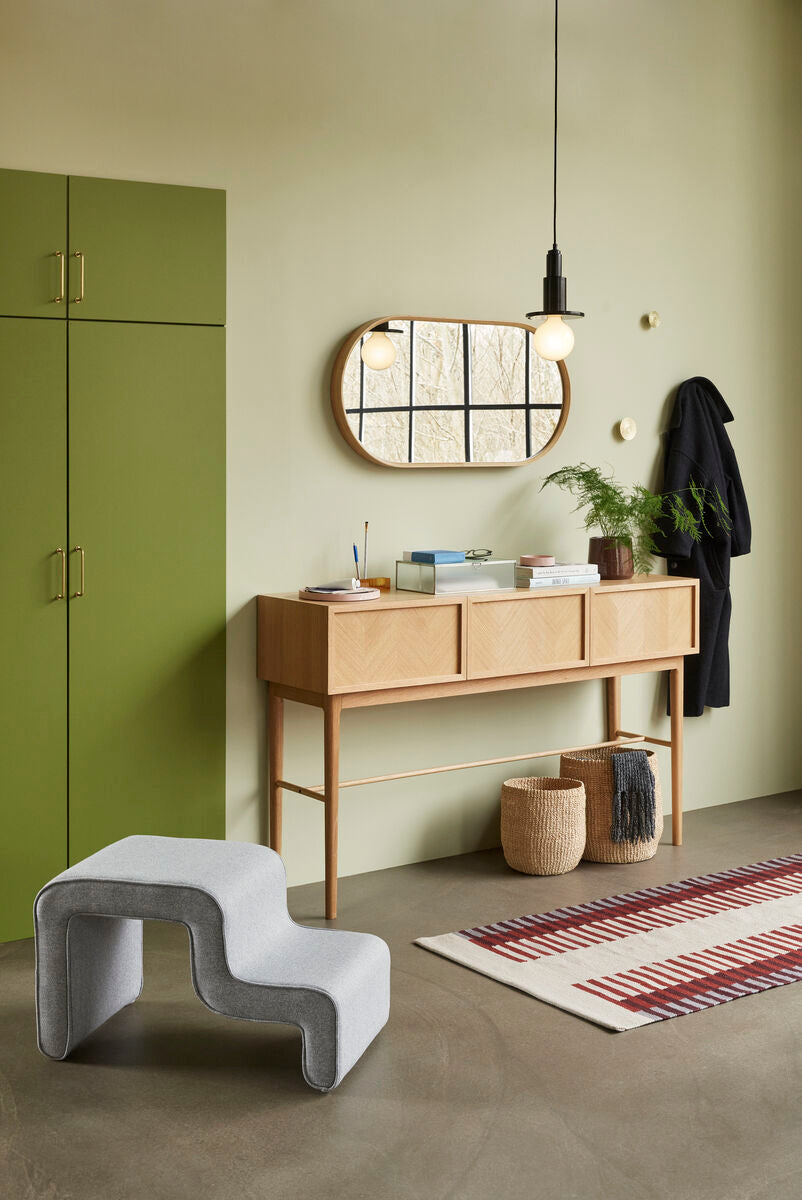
(384,156)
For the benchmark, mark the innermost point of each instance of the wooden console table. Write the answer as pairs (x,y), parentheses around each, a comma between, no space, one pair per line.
(408,646)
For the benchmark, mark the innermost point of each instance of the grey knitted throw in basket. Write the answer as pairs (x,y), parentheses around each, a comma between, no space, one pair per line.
(604,778)
(633,798)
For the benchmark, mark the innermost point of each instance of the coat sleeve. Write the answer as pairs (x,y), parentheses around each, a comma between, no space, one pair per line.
(679,470)
(741,536)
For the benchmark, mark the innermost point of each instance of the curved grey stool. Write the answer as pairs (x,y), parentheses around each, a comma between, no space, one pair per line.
(249,958)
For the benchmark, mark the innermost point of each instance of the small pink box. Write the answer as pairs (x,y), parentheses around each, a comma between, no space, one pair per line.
(537,560)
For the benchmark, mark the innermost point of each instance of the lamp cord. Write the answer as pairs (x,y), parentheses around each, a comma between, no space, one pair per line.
(556,14)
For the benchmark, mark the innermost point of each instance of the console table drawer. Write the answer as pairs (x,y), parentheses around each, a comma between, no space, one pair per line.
(640,623)
(394,646)
(526,633)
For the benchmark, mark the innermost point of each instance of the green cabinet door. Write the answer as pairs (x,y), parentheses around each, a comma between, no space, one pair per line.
(147,637)
(33,244)
(33,624)
(148,252)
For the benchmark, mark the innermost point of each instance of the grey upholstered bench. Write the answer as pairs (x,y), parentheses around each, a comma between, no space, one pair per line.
(249,958)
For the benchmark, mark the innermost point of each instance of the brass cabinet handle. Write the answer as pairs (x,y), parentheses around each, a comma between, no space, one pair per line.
(82,589)
(59,254)
(63,589)
(79,254)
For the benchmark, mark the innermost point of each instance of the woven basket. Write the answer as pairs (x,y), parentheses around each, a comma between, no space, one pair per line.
(595,769)
(542,824)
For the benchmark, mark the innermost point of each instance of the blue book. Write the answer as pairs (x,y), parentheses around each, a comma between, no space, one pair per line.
(437,556)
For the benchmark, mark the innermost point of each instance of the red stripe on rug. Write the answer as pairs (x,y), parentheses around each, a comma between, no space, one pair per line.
(750,976)
(635,912)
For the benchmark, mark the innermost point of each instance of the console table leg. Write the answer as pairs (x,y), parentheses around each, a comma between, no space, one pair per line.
(677,703)
(275,750)
(613,690)
(331,785)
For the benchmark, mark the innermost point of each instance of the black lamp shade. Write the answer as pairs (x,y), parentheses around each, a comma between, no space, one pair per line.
(554,290)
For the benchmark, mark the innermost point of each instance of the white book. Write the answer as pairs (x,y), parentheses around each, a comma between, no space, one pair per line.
(523,581)
(560,569)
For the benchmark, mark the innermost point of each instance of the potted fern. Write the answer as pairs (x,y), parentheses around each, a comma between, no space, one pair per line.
(628,518)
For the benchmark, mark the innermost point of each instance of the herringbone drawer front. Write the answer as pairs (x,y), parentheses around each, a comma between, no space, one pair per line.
(389,646)
(643,623)
(526,633)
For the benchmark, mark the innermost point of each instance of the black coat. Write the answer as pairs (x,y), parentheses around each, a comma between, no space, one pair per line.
(697,448)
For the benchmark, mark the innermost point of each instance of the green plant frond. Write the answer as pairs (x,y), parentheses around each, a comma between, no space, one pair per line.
(634,515)
(598,494)
(721,511)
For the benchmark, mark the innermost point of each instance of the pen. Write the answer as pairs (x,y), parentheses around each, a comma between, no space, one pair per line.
(356,561)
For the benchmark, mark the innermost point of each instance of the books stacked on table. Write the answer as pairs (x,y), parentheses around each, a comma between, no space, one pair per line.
(559,575)
(434,557)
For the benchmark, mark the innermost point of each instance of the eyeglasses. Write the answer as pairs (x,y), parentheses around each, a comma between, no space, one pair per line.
(478,553)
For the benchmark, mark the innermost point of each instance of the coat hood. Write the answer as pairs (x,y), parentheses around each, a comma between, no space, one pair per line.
(699,391)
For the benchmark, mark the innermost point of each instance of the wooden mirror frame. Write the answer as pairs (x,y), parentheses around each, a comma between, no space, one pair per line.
(338,403)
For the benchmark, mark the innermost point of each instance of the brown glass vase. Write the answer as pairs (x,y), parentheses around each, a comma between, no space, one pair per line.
(612,556)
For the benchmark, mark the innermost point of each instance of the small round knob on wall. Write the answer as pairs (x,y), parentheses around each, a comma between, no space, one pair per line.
(652,319)
(627,428)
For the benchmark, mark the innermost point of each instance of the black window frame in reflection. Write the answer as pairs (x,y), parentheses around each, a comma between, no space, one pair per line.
(467,407)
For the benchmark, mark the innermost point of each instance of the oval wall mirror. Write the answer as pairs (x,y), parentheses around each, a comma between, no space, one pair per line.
(438,392)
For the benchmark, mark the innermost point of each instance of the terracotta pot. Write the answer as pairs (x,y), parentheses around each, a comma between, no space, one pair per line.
(613,557)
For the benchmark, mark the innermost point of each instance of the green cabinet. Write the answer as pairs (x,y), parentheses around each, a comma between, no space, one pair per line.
(33,244)
(147,252)
(112,457)
(133,251)
(147,638)
(33,624)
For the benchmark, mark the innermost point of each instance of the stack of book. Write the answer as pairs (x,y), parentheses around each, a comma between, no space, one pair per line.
(560,575)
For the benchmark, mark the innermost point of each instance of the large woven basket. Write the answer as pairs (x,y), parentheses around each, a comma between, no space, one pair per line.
(542,824)
(595,769)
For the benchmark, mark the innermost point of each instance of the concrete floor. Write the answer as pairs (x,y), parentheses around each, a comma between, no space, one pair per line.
(473,1091)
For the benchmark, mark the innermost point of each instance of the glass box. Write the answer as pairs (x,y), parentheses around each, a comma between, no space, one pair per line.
(473,575)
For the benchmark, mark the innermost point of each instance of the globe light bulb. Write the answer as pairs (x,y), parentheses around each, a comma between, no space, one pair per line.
(554,339)
(378,352)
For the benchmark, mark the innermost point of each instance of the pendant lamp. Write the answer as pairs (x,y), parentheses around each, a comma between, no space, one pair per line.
(378,352)
(554,339)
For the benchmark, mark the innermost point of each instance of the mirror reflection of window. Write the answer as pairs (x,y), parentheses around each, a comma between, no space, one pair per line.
(439,367)
(498,364)
(439,436)
(439,393)
(546,392)
(456,393)
(377,402)
(498,380)
(390,388)
(386,434)
(499,435)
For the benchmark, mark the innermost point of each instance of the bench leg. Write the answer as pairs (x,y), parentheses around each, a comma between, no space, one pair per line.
(87,969)
(331,797)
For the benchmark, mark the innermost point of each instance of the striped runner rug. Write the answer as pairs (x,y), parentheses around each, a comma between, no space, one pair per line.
(649,955)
